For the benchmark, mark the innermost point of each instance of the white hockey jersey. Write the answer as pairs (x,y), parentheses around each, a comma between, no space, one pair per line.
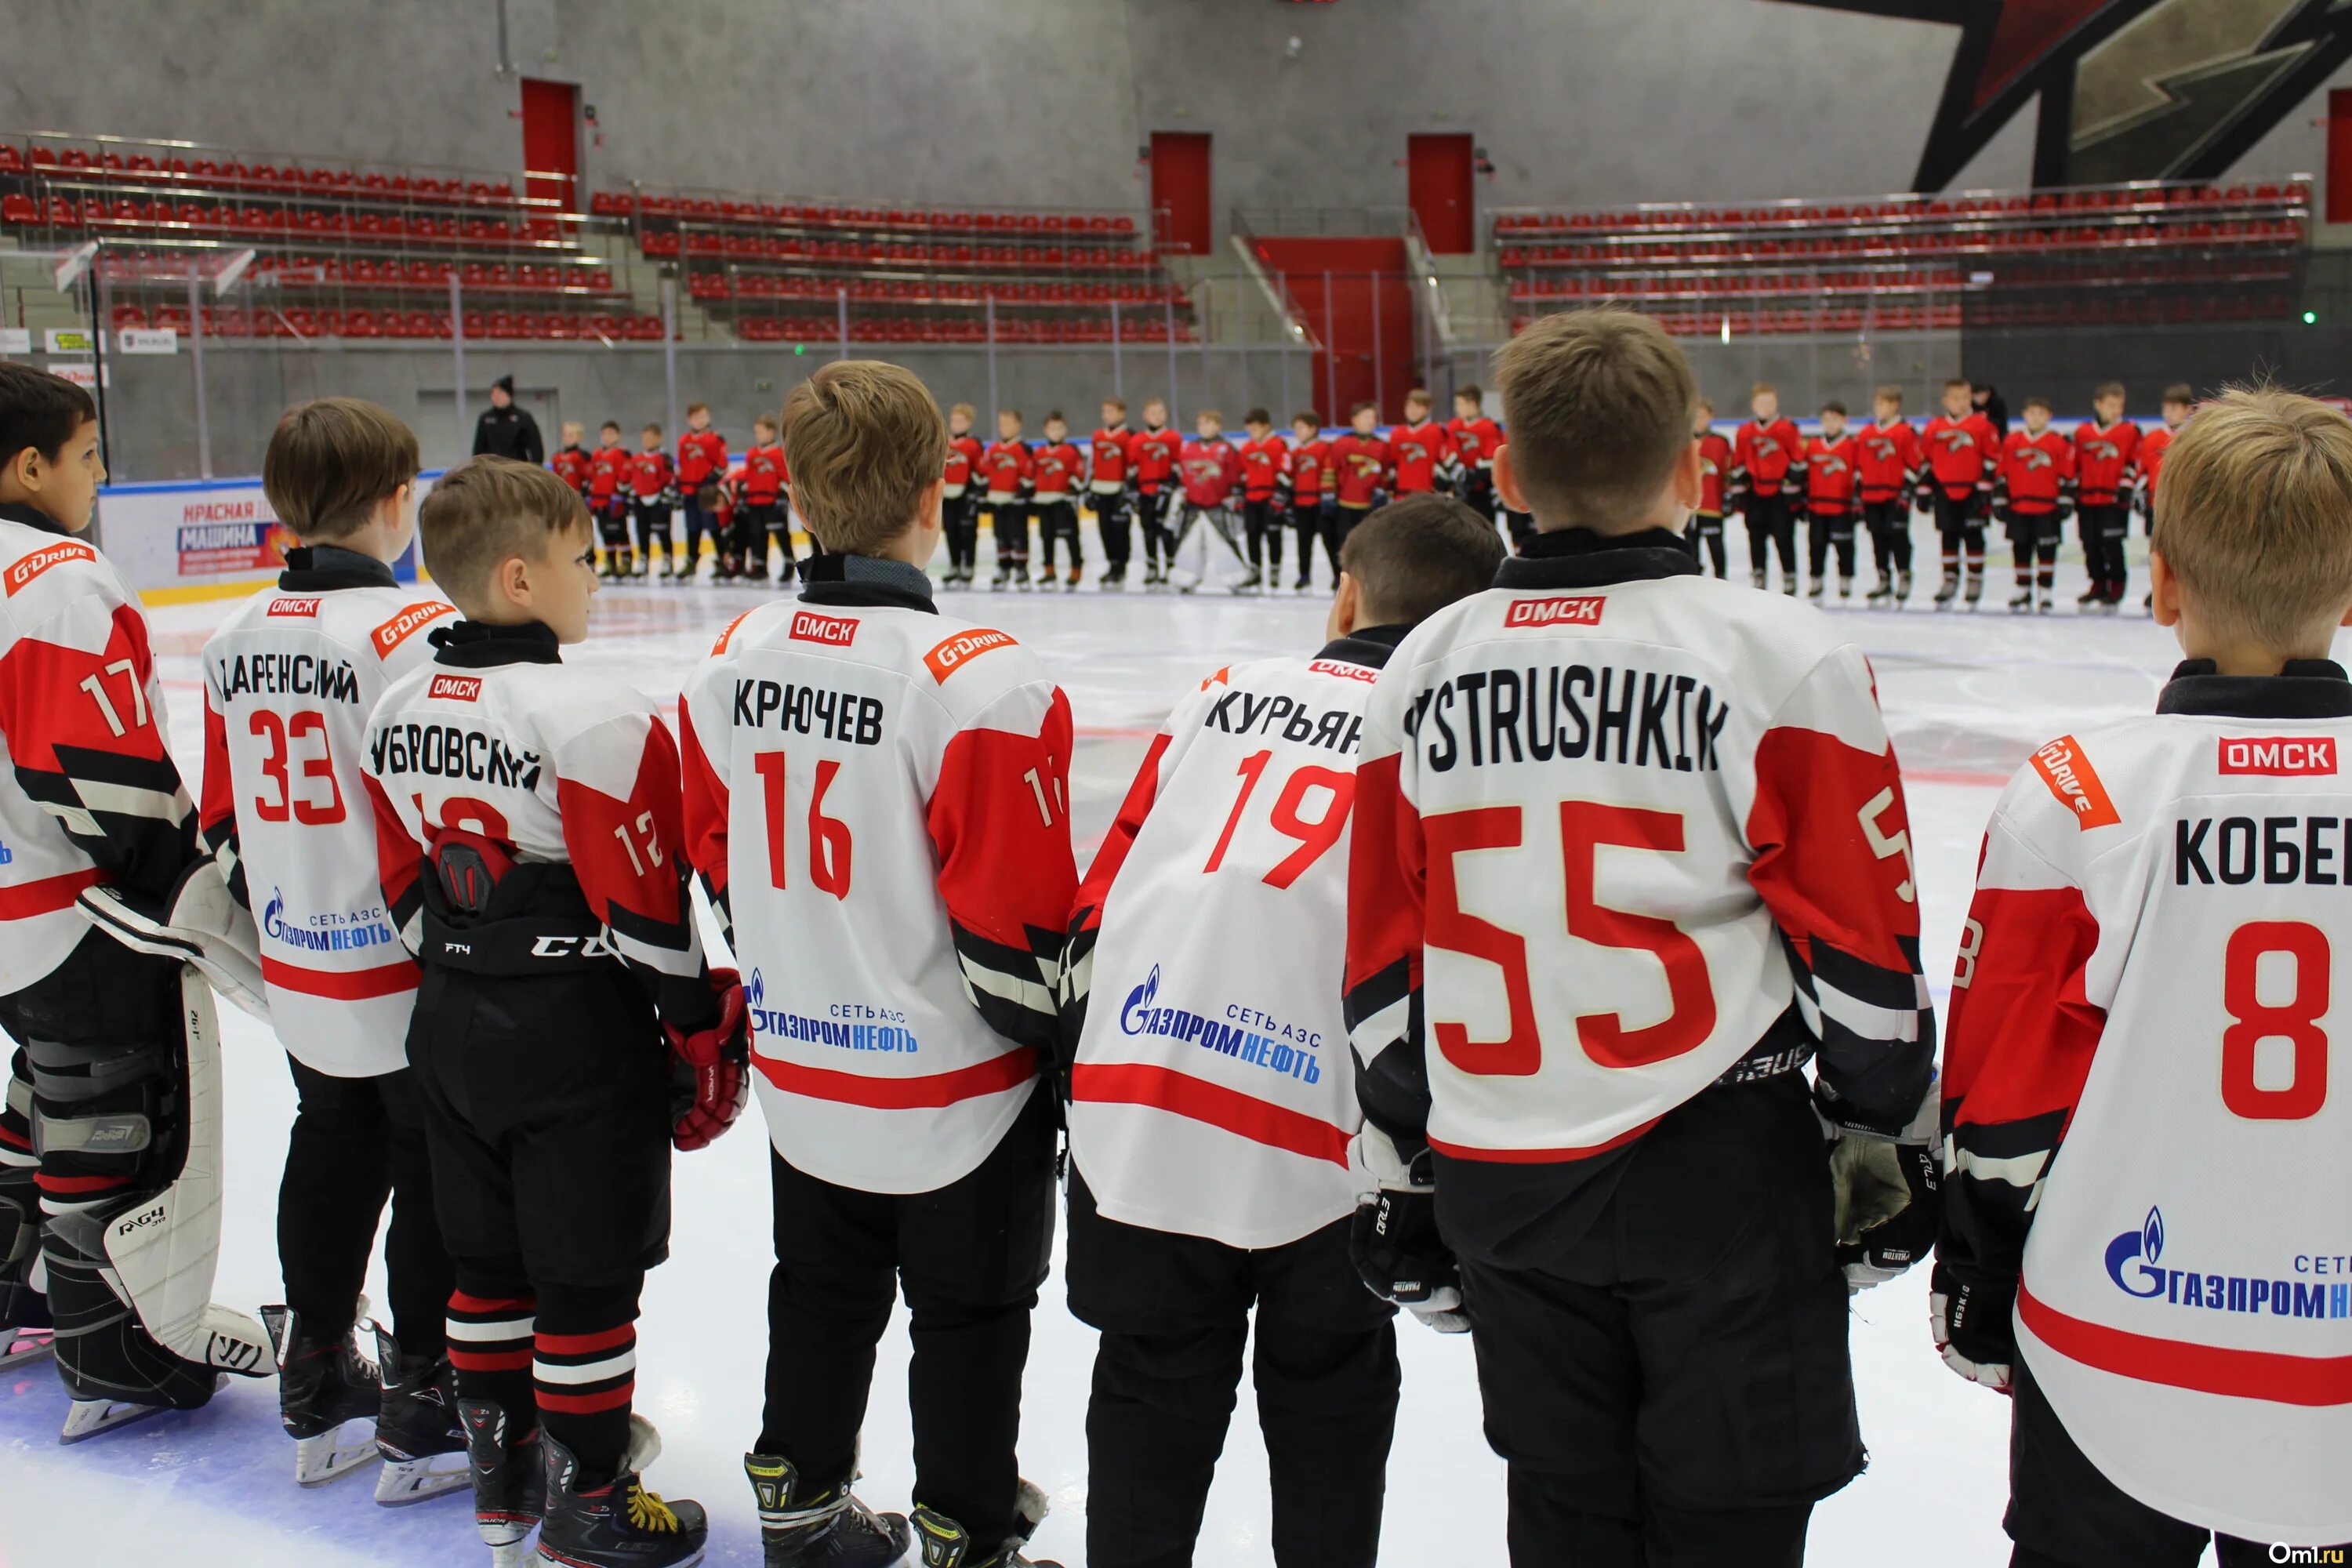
(1211,1091)
(877,799)
(2146,978)
(88,793)
(554,765)
(1621,830)
(289,681)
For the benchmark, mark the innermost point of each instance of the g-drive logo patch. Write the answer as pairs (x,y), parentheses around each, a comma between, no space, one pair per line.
(2302,1288)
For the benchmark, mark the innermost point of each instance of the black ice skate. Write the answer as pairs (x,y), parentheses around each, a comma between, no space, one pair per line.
(1304,585)
(418,1434)
(1975,591)
(1003,578)
(1070,583)
(2022,602)
(1253,583)
(1878,598)
(86,1418)
(1949,592)
(1760,580)
(1789,583)
(325,1387)
(1845,590)
(2090,598)
(947,1544)
(619,1524)
(509,1480)
(825,1529)
(1903,588)
(1818,591)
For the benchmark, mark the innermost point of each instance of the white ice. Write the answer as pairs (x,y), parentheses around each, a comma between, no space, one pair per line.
(1967,695)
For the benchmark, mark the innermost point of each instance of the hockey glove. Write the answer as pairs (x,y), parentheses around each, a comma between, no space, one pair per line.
(709,1075)
(1970,1323)
(1924,500)
(1395,1241)
(1884,1188)
(198,923)
(2065,510)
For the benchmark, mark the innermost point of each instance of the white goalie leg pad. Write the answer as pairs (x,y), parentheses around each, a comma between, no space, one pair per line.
(161,1254)
(201,923)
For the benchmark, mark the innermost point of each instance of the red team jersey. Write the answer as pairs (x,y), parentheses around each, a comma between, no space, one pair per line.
(1154,452)
(1764,454)
(762,483)
(1961,454)
(1212,471)
(1264,463)
(1361,465)
(608,473)
(1054,468)
(702,457)
(1886,463)
(2036,470)
(2105,459)
(1715,461)
(1423,455)
(1311,469)
(651,475)
(2152,449)
(572,465)
(2143,980)
(1475,440)
(1830,473)
(1005,468)
(964,454)
(1109,462)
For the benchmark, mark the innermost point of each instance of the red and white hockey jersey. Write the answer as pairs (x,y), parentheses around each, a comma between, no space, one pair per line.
(1006,470)
(1714,466)
(556,766)
(88,793)
(2106,461)
(1212,471)
(1310,470)
(1621,831)
(701,458)
(572,465)
(1212,1091)
(1769,459)
(1153,450)
(2153,446)
(1961,454)
(1475,441)
(1888,464)
(1106,459)
(964,453)
(1055,470)
(877,801)
(1265,464)
(1425,458)
(2146,978)
(1831,469)
(289,681)
(1362,466)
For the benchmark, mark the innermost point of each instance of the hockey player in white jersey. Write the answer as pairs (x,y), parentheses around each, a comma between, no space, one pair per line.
(876,797)
(528,815)
(110,1136)
(1628,851)
(289,681)
(2145,1225)
(1211,1093)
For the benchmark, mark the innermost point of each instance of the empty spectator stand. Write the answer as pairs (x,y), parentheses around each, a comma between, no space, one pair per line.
(788,270)
(2139,253)
(340,250)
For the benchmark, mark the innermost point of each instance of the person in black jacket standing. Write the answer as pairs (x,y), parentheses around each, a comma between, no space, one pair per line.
(508,430)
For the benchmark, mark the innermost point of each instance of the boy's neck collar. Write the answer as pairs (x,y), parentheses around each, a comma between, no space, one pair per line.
(2303,689)
(320,568)
(32,515)
(477,645)
(867,580)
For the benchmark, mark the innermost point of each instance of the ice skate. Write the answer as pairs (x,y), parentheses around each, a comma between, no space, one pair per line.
(2045,602)
(2090,598)
(1789,583)
(1002,579)
(1845,589)
(326,1390)
(947,1544)
(1902,587)
(25,1346)
(1949,591)
(86,1418)
(1760,580)
(1112,578)
(619,1524)
(509,1480)
(827,1530)
(2022,602)
(1022,581)
(1304,584)
(1881,597)
(1975,591)
(1819,590)
(418,1433)
(1070,583)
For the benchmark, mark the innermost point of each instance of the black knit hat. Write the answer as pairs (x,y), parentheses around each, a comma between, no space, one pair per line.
(504,383)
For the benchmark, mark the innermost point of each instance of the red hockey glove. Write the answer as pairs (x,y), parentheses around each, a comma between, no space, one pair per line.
(708,1080)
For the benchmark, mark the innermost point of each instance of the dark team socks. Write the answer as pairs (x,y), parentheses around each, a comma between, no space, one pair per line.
(490,1325)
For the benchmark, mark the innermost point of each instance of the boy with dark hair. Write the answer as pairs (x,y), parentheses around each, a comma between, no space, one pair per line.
(2107,453)
(653,485)
(1831,459)
(964,483)
(1009,476)
(1768,476)
(1605,1120)
(921,1157)
(609,488)
(1110,483)
(1310,496)
(110,1132)
(1715,465)
(1057,466)
(701,470)
(1886,469)
(2131,986)
(542,887)
(1266,474)
(1426,459)
(281,773)
(1963,453)
(1207,1183)
(1363,466)
(1475,438)
(2034,492)
(1155,452)
(762,516)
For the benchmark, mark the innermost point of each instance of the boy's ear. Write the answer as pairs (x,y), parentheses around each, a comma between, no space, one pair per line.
(1506,479)
(1687,478)
(2164,592)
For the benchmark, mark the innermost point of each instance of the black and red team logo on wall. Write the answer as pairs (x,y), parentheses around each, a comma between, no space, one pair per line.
(2129,90)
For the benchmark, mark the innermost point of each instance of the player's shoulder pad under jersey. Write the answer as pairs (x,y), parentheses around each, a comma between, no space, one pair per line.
(2062,789)
(44,574)
(970,667)
(395,630)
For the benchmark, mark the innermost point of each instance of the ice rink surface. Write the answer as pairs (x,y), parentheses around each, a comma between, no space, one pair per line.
(1967,698)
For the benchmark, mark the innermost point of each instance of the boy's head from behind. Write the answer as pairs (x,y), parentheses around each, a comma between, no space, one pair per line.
(868,454)
(1599,404)
(509,543)
(1410,559)
(339,468)
(2252,541)
(48,446)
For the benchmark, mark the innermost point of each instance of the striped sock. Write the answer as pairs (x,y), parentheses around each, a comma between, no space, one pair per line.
(490,1348)
(586,1380)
